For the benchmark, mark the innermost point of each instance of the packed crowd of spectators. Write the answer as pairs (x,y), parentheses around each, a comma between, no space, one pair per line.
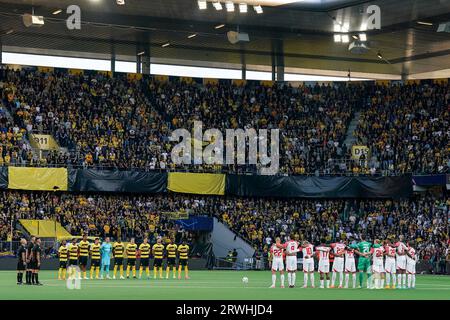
(407,129)
(259,221)
(123,123)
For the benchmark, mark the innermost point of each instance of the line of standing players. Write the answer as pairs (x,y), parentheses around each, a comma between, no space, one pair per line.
(29,262)
(380,260)
(78,254)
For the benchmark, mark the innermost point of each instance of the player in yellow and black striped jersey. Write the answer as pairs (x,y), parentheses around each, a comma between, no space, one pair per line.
(118,250)
(183,255)
(95,258)
(84,246)
(171,252)
(63,254)
(131,250)
(144,251)
(158,255)
(73,257)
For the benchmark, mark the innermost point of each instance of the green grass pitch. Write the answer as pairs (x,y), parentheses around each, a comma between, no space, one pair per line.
(210,285)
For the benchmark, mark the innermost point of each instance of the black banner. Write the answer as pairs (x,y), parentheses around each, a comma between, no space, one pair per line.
(117,181)
(3,177)
(319,187)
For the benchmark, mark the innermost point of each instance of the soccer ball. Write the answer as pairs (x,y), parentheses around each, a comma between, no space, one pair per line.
(244,280)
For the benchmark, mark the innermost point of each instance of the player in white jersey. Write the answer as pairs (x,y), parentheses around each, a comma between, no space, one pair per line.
(276,255)
(411,265)
(308,263)
(377,252)
(291,248)
(390,265)
(338,263)
(401,263)
(324,263)
(350,265)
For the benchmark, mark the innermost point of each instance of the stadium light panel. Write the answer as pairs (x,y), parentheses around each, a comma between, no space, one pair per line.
(425,23)
(258,9)
(337,38)
(230,6)
(345,27)
(192,36)
(219,26)
(141,53)
(217,5)
(165,44)
(355,37)
(362,37)
(345,38)
(243,7)
(337,27)
(202,5)
(58,11)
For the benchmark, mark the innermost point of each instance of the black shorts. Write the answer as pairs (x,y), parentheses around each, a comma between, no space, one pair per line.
(34,265)
(118,261)
(131,261)
(157,263)
(144,262)
(63,264)
(183,262)
(21,266)
(83,261)
(171,262)
(95,263)
(73,262)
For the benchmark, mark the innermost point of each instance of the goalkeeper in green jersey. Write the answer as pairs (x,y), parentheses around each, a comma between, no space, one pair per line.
(363,250)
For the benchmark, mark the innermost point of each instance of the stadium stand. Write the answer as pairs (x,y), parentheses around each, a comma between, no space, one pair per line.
(122,123)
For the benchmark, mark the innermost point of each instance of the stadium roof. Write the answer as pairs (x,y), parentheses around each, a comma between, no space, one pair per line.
(300,32)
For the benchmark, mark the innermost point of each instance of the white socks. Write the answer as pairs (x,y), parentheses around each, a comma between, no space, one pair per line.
(341,278)
(411,280)
(305,279)
(274,279)
(293,278)
(354,280)
(282,280)
(328,283)
(333,278)
(312,279)
(289,278)
(388,279)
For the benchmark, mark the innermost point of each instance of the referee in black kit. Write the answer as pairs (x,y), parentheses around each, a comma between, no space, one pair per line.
(35,266)
(21,263)
(29,251)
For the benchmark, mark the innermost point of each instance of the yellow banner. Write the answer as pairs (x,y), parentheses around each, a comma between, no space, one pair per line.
(37,178)
(197,183)
(46,69)
(357,151)
(178,215)
(382,82)
(43,142)
(44,228)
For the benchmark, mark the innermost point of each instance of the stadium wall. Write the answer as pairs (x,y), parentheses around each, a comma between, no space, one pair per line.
(136,181)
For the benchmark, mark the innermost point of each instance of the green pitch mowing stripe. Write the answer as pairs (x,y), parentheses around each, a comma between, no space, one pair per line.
(211,285)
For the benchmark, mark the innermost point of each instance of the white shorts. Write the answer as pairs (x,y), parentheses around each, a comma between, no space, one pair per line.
(308,265)
(378,267)
(389,265)
(291,263)
(338,264)
(277,264)
(324,266)
(410,266)
(401,262)
(350,265)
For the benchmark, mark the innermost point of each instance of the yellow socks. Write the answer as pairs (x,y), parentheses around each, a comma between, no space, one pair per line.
(167,272)
(186,271)
(91,273)
(147,271)
(154,272)
(97,272)
(115,271)
(140,271)
(134,271)
(128,271)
